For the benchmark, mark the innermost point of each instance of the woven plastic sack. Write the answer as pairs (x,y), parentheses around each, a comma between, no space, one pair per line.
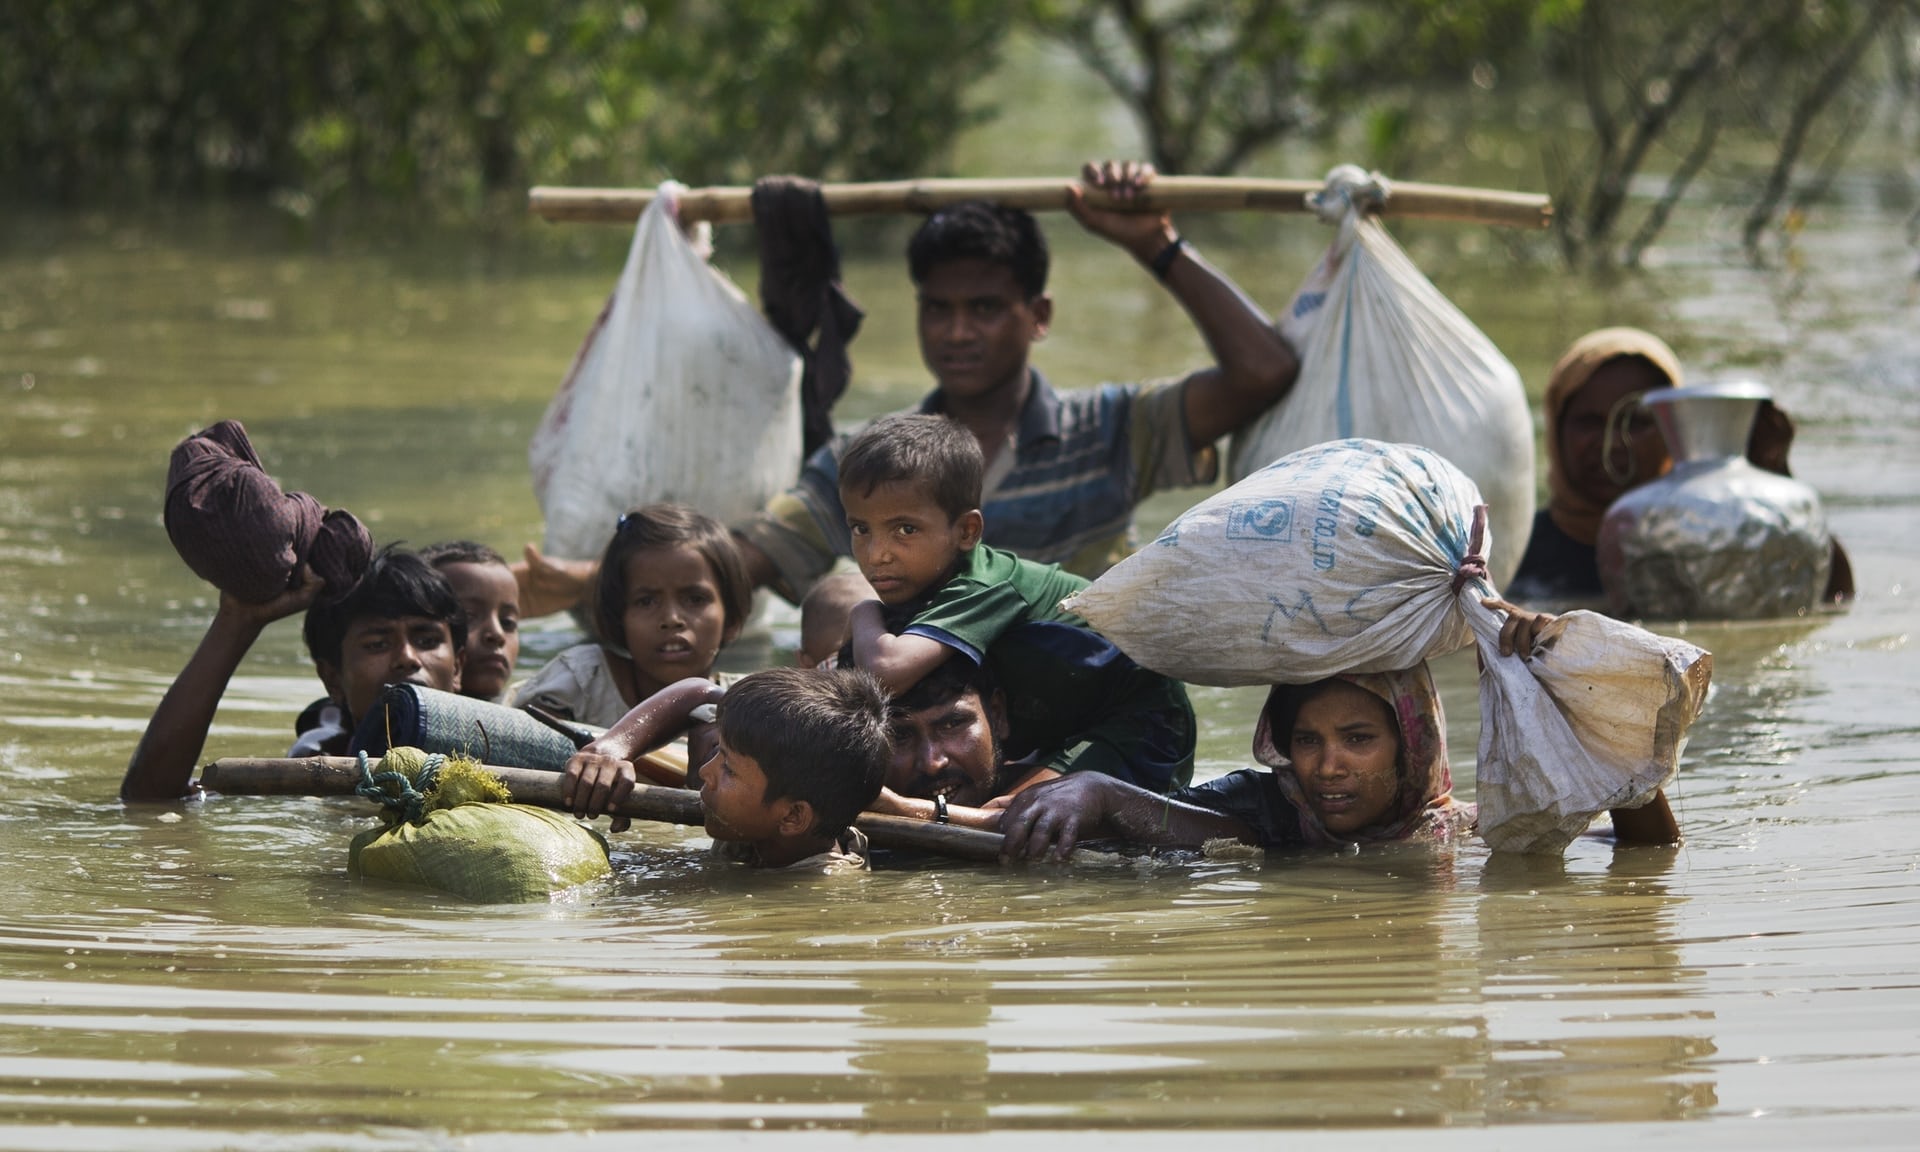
(1358,556)
(1595,719)
(409,715)
(1384,355)
(1339,558)
(681,391)
(485,853)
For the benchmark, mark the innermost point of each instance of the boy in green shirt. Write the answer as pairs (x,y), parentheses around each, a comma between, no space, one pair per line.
(911,488)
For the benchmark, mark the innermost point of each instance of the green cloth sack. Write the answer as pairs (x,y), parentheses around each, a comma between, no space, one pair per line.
(485,853)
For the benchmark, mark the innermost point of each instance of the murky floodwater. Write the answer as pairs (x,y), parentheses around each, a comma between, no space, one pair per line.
(207,975)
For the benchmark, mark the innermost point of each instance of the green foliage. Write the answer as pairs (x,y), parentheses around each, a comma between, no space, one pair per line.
(462,104)
(454,102)
(1667,88)
(1212,82)
(1663,87)
(855,90)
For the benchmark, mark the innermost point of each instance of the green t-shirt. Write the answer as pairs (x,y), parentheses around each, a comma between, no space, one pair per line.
(1074,701)
(991,592)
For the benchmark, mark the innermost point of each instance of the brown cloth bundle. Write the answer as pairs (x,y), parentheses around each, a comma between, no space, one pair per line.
(801,294)
(239,532)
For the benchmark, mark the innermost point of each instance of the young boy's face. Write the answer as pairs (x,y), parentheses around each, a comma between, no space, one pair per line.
(903,541)
(491,599)
(733,791)
(378,651)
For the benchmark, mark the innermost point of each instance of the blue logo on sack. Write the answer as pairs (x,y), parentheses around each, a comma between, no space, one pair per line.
(1267,520)
(1308,302)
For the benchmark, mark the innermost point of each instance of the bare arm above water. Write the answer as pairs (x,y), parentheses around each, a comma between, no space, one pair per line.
(900,661)
(602,774)
(163,761)
(1253,365)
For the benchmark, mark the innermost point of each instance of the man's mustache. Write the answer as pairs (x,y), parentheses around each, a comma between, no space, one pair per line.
(947,782)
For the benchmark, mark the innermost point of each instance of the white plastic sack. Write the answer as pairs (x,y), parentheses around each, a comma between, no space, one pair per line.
(1595,719)
(1358,556)
(1339,558)
(681,391)
(1384,355)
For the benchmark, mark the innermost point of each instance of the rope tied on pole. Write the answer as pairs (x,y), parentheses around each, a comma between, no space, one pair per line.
(404,795)
(1350,187)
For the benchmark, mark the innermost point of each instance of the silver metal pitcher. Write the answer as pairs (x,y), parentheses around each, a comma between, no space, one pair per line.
(1716,538)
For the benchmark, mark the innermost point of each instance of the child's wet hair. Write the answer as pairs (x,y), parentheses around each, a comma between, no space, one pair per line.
(461,552)
(980,230)
(818,736)
(397,584)
(932,453)
(668,526)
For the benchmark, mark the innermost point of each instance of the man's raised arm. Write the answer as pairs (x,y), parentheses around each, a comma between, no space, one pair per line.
(1253,366)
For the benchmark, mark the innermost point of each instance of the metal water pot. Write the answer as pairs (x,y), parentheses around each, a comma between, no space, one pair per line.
(1716,538)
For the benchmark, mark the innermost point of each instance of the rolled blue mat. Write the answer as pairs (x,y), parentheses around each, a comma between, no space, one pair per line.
(435,721)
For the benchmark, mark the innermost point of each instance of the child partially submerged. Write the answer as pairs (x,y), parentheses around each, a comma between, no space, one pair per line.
(488,595)
(400,624)
(801,753)
(911,486)
(671,594)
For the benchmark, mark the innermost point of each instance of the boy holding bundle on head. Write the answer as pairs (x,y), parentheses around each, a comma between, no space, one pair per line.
(399,624)
(911,487)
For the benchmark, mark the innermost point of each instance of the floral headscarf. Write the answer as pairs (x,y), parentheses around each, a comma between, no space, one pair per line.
(1425,806)
(1576,515)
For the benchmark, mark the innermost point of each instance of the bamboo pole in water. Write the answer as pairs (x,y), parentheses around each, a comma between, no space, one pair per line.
(1166,193)
(339,775)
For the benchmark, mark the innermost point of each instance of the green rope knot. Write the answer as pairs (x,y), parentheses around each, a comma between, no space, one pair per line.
(403,795)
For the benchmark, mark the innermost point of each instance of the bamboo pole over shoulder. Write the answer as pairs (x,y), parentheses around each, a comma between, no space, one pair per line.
(339,775)
(1166,193)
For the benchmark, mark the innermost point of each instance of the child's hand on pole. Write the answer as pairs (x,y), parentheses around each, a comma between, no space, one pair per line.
(593,783)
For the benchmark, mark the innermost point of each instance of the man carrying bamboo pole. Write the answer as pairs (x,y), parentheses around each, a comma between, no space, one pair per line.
(1064,469)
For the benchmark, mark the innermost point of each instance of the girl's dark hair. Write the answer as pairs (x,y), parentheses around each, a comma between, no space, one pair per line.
(668,526)
(818,736)
(460,552)
(397,583)
(979,230)
(932,453)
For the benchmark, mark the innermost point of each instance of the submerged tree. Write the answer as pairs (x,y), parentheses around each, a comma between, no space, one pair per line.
(1663,89)
(1212,82)
(1785,75)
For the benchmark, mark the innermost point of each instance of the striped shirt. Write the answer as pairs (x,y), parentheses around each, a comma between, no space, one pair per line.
(1081,461)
